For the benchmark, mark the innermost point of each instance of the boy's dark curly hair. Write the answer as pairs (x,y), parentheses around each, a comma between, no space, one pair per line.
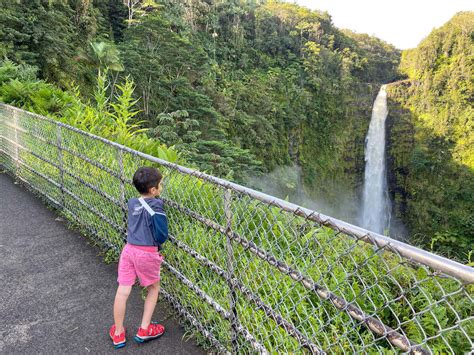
(145,178)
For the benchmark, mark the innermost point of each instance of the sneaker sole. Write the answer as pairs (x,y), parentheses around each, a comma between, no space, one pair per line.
(143,340)
(118,346)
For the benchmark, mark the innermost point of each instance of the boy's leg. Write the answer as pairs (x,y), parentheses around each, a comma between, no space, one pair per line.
(150,303)
(120,306)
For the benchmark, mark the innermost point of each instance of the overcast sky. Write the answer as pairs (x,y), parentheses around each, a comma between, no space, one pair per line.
(403,23)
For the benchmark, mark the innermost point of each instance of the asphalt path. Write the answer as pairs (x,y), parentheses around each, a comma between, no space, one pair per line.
(56,292)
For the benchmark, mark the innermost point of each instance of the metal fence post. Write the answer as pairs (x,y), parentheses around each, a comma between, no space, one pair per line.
(123,203)
(3,141)
(17,149)
(230,271)
(60,163)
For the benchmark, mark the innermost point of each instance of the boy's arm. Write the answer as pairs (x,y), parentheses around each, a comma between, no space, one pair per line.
(158,206)
(163,220)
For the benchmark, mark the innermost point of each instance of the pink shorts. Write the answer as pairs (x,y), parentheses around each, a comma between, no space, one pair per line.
(143,262)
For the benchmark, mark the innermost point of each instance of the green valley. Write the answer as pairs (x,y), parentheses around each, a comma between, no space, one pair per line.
(244,88)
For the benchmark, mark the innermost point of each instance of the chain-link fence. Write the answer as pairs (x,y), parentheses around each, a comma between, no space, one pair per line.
(250,272)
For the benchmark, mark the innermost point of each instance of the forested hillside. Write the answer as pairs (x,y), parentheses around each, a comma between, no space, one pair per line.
(432,138)
(265,93)
(238,87)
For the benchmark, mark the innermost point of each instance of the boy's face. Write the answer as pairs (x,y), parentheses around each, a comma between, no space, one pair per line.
(156,191)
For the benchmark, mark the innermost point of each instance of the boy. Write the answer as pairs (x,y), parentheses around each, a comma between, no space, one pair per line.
(140,258)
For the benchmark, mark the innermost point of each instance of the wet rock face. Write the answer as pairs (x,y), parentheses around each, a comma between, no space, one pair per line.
(399,148)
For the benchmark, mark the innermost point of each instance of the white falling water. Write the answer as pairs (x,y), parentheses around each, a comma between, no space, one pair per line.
(375,215)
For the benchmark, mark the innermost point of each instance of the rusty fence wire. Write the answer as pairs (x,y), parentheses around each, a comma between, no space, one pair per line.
(249,272)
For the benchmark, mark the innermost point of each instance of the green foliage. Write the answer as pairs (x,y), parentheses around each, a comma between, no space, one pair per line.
(39,97)
(123,130)
(110,119)
(103,56)
(224,159)
(264,84)
(22,72)
(111,256)
(262,78)
(256,79)
(372,59)
(47,35)
(176,128)
(432,139)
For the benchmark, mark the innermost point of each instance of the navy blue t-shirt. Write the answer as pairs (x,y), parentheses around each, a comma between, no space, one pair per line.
(139,221)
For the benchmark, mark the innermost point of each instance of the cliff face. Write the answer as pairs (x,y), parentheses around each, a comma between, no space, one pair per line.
(326,172)
(399,150)
(431,192)
(333,170)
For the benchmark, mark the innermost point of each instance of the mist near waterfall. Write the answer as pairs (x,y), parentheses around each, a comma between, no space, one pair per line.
(285,182)
(369,208)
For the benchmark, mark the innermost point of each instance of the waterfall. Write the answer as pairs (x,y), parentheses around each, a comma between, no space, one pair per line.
(375,212)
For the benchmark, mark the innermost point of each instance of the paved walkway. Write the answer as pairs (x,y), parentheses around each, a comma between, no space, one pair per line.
(56,293)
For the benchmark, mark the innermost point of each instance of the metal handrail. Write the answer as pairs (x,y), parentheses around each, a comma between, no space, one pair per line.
(51,134)
(436,262)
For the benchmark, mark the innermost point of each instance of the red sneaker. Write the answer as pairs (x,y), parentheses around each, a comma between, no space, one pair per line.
(118,340)
(153,331)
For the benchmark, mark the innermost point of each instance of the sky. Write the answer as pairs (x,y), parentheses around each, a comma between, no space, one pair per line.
(403,23)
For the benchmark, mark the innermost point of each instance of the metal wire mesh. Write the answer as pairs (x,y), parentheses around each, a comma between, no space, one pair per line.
(252,273)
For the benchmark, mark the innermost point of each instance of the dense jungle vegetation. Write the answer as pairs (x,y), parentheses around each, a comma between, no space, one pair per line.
(432,138)
(238,87)
(242,88)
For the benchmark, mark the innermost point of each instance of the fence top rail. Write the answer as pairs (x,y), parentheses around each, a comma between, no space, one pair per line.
(438,263)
